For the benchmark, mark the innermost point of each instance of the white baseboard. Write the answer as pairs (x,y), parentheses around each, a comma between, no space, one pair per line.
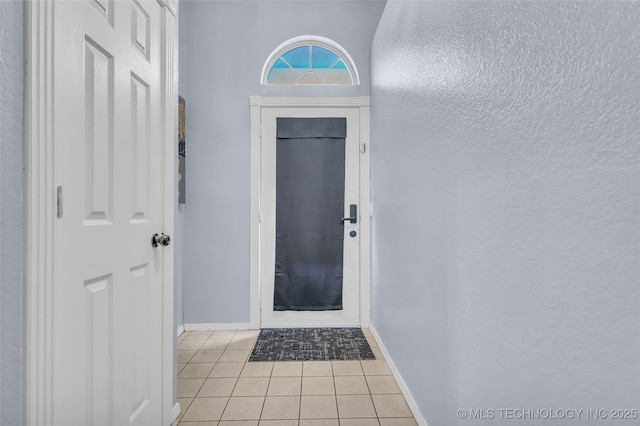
(218,326)
(396,374)
(176,412)
(180,330)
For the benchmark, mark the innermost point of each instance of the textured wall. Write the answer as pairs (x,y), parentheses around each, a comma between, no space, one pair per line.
(227,43)
(506,163)
(11,211)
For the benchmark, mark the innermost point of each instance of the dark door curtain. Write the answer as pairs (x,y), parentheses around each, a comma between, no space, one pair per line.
(310,174)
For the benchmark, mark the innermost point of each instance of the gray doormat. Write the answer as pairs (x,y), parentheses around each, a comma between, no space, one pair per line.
(311,344)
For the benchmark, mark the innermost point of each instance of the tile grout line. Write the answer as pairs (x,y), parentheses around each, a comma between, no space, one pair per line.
(333,377)
(375,410)
(335,390)
(234,386)
(264,400)
(300,397)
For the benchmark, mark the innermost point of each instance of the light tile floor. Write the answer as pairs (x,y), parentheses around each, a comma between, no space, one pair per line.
(218,387)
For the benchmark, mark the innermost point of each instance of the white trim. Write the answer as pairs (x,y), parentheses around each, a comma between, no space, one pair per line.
(336,325)
(180,330)
(218,326)
(170,107)
(254,227)
(365,219)
(257,103)
(39,212)
(401,383)
(309,102)
(171,5)
(176,413)
(312,40)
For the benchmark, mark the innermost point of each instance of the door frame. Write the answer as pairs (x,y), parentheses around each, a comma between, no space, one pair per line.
(362,104)
(40,210)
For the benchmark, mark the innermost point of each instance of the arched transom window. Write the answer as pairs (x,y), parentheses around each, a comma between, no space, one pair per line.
(310,60)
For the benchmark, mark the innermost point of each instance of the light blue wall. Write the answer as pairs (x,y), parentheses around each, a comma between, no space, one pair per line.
(227,43)
(11,211)
(506,162)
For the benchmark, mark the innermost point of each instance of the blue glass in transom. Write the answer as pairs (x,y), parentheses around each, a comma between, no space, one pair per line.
(298,57)
(322,58)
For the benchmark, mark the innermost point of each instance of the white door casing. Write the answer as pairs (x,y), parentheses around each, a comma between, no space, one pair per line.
(100,348)
(356,292)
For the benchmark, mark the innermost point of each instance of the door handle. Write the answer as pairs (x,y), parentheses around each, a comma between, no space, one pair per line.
(353,214)
(160,239)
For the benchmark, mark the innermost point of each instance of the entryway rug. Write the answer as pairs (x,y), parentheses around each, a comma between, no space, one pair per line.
(311,344)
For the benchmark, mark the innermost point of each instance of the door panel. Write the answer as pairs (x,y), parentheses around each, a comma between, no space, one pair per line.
(140,114)
(98,137)
(271,316)
(98,307)
(108,279)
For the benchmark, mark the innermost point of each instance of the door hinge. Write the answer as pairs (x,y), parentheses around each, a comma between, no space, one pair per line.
(363,148)
(59,202)
(259,216)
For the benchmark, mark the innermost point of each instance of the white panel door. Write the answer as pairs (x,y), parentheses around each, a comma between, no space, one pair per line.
(350,314)
(107,296)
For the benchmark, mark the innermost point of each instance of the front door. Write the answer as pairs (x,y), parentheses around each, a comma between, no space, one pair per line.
(108,281)
(310,217)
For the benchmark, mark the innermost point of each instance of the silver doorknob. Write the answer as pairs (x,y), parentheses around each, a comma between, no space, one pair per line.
(160,239)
